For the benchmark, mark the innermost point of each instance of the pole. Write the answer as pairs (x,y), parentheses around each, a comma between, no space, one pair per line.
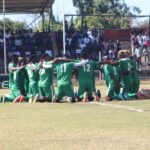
(100,73)
(149,26)
(43,22)
(64,33)
(4,38)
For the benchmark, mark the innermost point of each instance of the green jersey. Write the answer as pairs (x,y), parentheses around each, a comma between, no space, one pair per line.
(17,79)
(64,73)
(11,78)
(126,66)
(135,67)
(46,75)
(33,75)
(86,72)
(111,72)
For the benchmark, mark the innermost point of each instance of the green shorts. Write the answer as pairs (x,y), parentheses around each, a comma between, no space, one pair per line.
(85,87)
(13,94)
(33,88)
(65,90)
(47,92)
(127,84)
(112,90)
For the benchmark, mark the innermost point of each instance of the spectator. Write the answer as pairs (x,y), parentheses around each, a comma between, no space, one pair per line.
(138,53)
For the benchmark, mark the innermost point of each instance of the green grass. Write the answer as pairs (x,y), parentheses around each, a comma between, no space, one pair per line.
(74,126)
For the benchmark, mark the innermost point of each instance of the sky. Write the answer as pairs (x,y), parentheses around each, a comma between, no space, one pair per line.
(69,9)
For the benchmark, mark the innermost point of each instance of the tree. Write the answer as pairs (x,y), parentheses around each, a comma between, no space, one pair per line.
(12,25)
(52,24)
(114,11)
(84,6)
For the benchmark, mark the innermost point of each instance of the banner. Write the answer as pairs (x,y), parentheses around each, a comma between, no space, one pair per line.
(4,81)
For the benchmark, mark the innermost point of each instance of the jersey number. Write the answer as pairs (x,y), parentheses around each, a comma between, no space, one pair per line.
(87,68)
(15,75)
(63,68)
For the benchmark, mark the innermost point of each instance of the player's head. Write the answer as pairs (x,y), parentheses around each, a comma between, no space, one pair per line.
(127,53)
(106,58)
(121,54)
(65,56)
(21,61)
(84,56)
(31,59)
(14,58)
(45,57)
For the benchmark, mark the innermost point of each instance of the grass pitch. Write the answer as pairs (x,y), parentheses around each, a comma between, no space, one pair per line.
(75,126)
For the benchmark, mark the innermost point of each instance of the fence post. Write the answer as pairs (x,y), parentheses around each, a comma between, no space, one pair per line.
(100,73)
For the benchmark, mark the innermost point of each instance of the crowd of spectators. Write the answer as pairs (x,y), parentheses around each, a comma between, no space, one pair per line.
(26,42)
(140,45)
(87,41)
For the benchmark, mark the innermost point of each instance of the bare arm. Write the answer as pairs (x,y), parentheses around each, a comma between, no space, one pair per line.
(81,63)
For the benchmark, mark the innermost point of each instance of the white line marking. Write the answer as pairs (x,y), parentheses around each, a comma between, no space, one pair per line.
(118,106)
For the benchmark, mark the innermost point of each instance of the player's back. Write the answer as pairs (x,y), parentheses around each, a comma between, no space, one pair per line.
(46,76)
(33,75)
(125,65)
(64,73)
(85,72)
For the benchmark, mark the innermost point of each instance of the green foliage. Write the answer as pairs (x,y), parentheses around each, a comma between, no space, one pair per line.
(105,7)
(85,6)
(12,25)
(55,25)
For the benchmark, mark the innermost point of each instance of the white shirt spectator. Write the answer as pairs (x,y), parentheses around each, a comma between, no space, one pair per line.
(80,40)
(141,42)
(138,52)
(86,40)
(17,53)
(18,42)
(69,40)
(49,52)
(8,35)
(31,34)
(82,46)
(28,53)
(93,39)
(145,38)
(1,40)
(89,32)
(78,50)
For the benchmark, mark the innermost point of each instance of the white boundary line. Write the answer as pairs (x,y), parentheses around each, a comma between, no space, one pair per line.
(118,106)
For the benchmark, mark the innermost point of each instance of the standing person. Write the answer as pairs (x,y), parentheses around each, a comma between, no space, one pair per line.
(138,53)
(126,73)
(112,79)
(135,75)
(33,74)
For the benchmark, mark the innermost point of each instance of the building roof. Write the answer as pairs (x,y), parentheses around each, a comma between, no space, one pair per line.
(26,6)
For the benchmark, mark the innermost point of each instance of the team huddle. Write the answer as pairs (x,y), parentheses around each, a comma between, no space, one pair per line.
(32,80)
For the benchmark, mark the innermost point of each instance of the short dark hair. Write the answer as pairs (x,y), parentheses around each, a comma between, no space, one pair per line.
(84,55)
(44,55)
